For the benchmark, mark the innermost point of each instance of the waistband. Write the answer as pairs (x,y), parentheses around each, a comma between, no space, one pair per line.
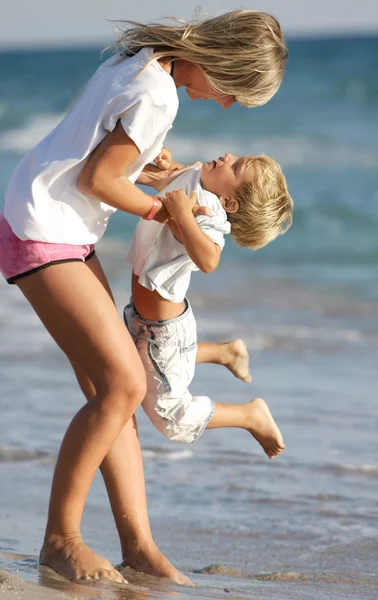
(187,313)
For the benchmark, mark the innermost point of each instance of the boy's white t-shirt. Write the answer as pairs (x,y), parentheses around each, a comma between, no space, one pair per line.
(159,260)
(43,202)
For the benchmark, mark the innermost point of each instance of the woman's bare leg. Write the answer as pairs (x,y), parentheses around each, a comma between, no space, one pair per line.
(128,501)
(81,317)
(255,417)
(233,355)
(129,506)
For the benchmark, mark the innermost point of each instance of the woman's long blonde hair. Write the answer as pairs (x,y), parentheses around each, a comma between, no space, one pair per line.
(241,53)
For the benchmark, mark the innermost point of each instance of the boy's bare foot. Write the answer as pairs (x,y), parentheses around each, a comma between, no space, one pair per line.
(151,561)
(262,426)
(72,559)
(237,359)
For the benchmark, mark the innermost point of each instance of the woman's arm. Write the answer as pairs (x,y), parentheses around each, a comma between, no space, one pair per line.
(158,179)
(103,176)
(154,177)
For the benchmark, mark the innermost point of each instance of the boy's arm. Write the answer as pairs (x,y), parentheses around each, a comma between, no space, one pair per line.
(165,161)
(202,250)
(174,229)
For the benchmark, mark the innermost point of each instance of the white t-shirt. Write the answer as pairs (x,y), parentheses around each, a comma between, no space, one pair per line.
(43,202)
(158,258)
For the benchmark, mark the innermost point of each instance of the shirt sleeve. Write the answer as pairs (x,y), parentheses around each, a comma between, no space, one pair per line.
(215,228)
(144,122)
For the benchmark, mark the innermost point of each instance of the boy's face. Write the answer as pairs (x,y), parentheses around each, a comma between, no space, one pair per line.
(223,176)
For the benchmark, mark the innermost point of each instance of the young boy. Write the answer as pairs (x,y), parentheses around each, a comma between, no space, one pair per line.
(246,196)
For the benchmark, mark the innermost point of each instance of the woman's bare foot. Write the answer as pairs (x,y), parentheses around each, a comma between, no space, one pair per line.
(237,359)
(72,559)
(262,426)
(151,561)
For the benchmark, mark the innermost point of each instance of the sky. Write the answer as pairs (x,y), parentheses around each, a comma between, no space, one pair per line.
(77,22)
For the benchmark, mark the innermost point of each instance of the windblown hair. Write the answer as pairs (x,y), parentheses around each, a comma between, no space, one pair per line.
(241,53)
(265,206)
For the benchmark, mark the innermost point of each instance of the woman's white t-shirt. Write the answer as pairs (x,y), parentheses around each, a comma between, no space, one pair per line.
(43,202)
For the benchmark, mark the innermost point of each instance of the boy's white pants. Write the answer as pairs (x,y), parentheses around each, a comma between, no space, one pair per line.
(168,351)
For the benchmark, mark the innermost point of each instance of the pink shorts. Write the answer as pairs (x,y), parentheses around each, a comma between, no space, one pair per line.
(19,258)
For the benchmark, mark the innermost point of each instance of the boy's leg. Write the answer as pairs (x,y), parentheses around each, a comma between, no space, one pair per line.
(168,352)
(233,355)
(255,417)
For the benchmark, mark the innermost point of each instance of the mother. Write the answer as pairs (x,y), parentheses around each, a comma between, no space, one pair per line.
(57,207)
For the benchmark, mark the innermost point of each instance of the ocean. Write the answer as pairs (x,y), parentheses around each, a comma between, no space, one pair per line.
(303,526)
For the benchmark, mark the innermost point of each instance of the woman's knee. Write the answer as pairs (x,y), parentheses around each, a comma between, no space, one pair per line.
(122,389)
(83,380)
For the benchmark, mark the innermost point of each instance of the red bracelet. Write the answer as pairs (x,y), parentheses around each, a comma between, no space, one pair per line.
(156,205)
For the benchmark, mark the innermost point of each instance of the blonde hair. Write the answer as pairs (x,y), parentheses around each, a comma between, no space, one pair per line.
(241,53)
(265,206)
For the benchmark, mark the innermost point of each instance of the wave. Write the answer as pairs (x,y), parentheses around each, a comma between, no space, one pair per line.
(264,336)
(31,133)
(14,454)
(342,469)
(289,150)
(158,453)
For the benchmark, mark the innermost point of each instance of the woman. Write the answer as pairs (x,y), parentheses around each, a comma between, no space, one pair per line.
(57,207)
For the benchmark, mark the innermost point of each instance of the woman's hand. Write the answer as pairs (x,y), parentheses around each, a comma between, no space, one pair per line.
(167,177)
(154,177)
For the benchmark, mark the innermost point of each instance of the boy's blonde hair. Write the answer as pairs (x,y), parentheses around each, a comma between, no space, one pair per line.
(265,206)
(241,53)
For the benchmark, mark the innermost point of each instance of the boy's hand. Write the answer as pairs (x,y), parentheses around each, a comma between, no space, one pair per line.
(164,159)
(178,204)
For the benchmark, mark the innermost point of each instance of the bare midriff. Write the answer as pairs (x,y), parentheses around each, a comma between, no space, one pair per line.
(150,305)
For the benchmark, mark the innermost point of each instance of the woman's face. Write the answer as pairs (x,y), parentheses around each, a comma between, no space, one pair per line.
(198,87)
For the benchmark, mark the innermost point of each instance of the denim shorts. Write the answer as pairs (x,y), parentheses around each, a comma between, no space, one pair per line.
(168,351)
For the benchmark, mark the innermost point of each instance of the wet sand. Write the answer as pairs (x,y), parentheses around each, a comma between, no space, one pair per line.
(215,582)
(13,587)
